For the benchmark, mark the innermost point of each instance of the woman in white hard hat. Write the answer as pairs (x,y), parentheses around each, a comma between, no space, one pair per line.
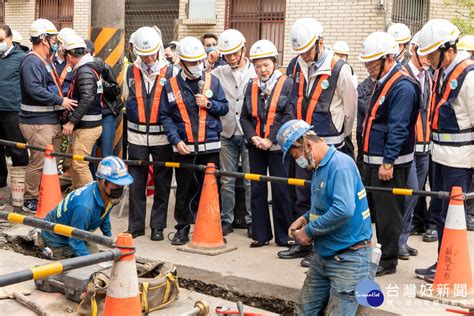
(190,114)
(267,105)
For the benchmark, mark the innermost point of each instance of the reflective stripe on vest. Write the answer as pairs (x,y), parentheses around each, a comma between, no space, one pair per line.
(371,117)
(314,96)
(202,147)
(378,160)
(41,108)
(184,112)
(142,128)
(156,96)
(51,70)
(275,96)
(463,138)
(458,70)
(91,118)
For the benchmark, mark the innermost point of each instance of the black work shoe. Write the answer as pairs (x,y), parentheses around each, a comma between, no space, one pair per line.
(403,253)
(181,237)
(306,262)
(430,235)
(417,231)
(413,252)
(157,234)
(383,271)
(249,230)
(30,206)
(421,273)
(136,233)
(470,222)
(227,229)
(295,251)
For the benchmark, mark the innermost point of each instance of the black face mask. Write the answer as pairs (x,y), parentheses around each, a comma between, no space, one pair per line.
(115,193)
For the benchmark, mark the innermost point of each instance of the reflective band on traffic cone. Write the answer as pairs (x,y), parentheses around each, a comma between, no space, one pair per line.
(49,195)
(454,263)
(207,235)
(123,297)
(150,182)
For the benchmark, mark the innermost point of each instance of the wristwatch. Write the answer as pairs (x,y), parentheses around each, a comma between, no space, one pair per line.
(208,105)
(387,166)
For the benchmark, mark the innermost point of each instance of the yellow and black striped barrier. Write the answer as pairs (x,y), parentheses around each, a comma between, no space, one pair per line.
(59,229)
(245,176)
(61,266)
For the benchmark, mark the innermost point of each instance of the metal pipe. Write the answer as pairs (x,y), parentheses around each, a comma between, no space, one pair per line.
(57,267)
(59,229)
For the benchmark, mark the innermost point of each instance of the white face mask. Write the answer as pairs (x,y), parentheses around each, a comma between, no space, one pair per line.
(196,71)
(302,162)
(3,47)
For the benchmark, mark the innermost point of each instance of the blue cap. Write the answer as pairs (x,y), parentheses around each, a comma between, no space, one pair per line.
(114,170)
(290,132)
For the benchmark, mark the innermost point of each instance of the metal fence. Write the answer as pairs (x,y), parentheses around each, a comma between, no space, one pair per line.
(60,12)
(258,19)
(2,11)
(413,13)
(162,13)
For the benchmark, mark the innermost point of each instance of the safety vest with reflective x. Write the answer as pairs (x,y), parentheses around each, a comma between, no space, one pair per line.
(196,137)
(445,126)
(263,130)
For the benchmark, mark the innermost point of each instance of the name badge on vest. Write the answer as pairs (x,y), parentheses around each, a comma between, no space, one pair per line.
(100,87)
(48,69)
(454,84)
(69,69)
(209,94)
(382,99)
(325,84)
(162,81)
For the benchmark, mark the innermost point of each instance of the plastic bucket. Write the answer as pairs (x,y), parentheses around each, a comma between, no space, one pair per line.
(17,177)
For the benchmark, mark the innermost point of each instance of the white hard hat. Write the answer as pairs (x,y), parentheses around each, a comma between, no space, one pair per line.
(377,45)
(74,41)
(415,40)
(466,43)
(341,47)
(400,32)
(190,49)
(132,38)
(17,38)
(230,41)
(263,49)
(64,33)
(41,27)
(304,34)
(434,34)
(146,41)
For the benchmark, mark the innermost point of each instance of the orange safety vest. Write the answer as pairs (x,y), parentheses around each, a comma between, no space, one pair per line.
(52,71)
(371,117)
(273,105)
(184,112)
(458,70)
(314,97)
(64,74)
(156,96)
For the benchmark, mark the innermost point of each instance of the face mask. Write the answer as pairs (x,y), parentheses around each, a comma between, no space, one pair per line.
(210,49)
(54,48)
(115,195)
(170,60)
(302,162)
(196,71)
(3,48)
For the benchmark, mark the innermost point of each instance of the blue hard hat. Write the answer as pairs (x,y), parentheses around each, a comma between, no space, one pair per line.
(114,170)
(290,132)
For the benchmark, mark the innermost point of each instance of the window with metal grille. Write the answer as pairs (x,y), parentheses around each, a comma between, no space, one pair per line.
(413,13)
(60,12)
(2,11)
(162,13)
(258,19)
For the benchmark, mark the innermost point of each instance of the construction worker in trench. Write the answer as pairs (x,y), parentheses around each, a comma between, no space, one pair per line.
(87,208)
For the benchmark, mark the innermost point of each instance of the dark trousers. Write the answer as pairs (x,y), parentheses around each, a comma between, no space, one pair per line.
(444,179)
(189,185)
(389,209)
(137,196)
(10,130)
(422,214)
(260,161)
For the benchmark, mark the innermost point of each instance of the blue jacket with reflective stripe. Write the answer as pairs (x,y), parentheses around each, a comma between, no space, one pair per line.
(38,89)
(83,209)
(339,216)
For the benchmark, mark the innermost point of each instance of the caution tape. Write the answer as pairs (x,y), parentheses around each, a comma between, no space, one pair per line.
(239,175)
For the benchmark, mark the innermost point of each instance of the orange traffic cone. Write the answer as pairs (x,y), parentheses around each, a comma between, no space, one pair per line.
(49,195)
(123,296)
(150,182)
(454,262)
(207,235)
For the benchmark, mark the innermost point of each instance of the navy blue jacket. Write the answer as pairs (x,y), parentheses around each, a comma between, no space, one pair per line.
(39,89)
(170,115)
(63,69)
(10,96)
(392,131)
